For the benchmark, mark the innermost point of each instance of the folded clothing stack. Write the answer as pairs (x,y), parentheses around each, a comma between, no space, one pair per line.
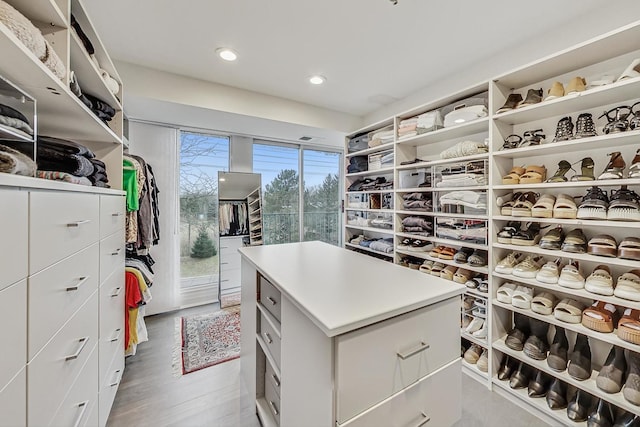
(462,180)
(464,148)
(417,202)
(407,128)
(14,162)
(417,225)
(14,120)
(467,230)
(101,109)
(380,137)
(358,164)
(429,121)
(367,184)
(382,221)
(473,200)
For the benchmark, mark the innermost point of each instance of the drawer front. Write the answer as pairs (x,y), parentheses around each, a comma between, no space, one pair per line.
(108,388)
(57,292)
(230,246)
(54,369)
(271,298)
(273,401)
(13,331)
(375,362)
(13,401)
(112,215)
(111,255)
(230,261)
(433,401)
(270,338)
(111,321)
(230,279)
(67,221)
(14,211)
(78,407)
(270,376)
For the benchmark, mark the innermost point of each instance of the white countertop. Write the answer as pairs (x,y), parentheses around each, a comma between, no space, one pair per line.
(341,290)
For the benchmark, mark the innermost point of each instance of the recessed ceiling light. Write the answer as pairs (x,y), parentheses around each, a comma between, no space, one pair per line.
(227,54)
(317,80)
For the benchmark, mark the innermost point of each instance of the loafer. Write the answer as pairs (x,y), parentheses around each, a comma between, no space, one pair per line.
(578,408)
(610,377)
(631,389)
(557,395)
(557,359)
(580,359)
(539,386)
(602,416)
(506,368)
(520,377)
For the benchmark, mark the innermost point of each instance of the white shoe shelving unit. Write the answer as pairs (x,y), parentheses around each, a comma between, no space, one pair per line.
(608,54)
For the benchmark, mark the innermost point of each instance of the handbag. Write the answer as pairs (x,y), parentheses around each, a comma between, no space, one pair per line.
(464,114)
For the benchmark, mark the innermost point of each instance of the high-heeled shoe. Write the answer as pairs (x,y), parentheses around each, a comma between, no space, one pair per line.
(614,168)
(520,377)
(532,137)
(578,408)
(563,167)
(586,166)
(634,122)
(634,169)
(618,122)
(602,416)
(557,395)
(585,127)
(506,368)
(564,130)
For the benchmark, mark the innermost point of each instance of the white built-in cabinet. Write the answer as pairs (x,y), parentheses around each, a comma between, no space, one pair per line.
(609,54)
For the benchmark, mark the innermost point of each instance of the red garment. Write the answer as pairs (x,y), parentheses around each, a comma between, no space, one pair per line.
(132,299)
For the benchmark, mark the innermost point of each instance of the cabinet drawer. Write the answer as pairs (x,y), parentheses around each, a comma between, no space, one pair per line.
(230,261)
(271,298)
(270,338)
(229,246)
(111,255)
(273,401)
(14,211)
(390,355)
(13,401)
(111,305)
(60,225)
(13,331)
(270,376)
(54,369)
(112,215)
(57,292)
(230,278)
(432,401)
(78,407)
(108,388)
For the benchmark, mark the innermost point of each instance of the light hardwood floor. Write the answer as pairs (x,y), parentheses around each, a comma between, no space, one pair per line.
(150,394)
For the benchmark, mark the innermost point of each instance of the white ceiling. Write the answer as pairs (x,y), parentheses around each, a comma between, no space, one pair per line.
(372,52)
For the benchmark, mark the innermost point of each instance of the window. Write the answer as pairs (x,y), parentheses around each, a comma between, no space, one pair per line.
(201,157)
(321,173)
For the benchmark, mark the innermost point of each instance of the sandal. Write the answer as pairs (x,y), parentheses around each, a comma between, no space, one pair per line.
(513,177)
(505,292)
(624,205)
(508,231)
(473,283)
(436,251)
(634,123)
(512,141)
(629,326)
(528,237)
(594,205)
(565,207)
(436,268)
(447,253)
(553,239)
(544,206)
(603,245)
(618,122)
(461,256)
(522,208)
(534,175)
(507,207)
(563,167)
(569,310)
(600,317)
(462,275)
(522,297)
(628,286)
(532,137)
(448,272)
(564,130)
(614,168)
(634,170)
(585,127)
(543,303)
(478,259)
(587,170)
(575,242)
(426,266)
(629,248)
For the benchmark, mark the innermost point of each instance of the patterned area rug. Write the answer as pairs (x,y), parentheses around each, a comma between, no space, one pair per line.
(229,300)
(210,339)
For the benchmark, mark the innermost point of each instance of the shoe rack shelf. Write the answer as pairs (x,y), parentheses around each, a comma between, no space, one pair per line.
(473,372)
(370,229)
(609,54)
(365,249)
(426,256)
(588,385)
(475,293)
(469,337)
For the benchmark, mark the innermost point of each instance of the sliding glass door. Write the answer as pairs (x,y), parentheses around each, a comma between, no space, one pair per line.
(321,177)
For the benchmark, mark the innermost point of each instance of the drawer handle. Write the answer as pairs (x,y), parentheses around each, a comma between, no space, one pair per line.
(78,223)
(116,292)
(225,280)
(83,342)
(425,419)
(423,347)
(116,382)
(224,247)
(81,281)
(116,252)
(268,337)
(117,337)
(116,214)
(83,408)
(224,263)
(275,380)
(272,301)
(273,408)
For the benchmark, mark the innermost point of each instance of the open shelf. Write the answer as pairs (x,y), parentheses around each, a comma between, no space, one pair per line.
(435,162)
(445,134)
(380,171)
(425,255)
(363,248)
(470,188)
(371,150)
(541,187)
(41,11)
(476,293)
(416,213)
(474,372)
(371,229)
(587,385)
(451,242)
(574,222)
(482,342)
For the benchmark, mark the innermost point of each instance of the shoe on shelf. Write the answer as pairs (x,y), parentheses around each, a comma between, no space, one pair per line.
(532,137)
(437,268)
(536,346)
(585,128)
(534,96)
(576,84)
(522,297)
(558,352)
(511,141)
(506,264)
(501,200)
(629,326)
(477,259)
(543,208)
(600,281)
(507,366)
(553,239)
(513,176)
(528,267)
(527,237)
(473,354)
(606,245)
(447,253)
(462,275)
(467,302)
(461,256)
(570,276)
(628,286)
(512,102)
(565,207)
(404,244)
(579,407)
(475,325)
(579,366)
(534,174)
(544,303)
(555,91)
(505,292)
(564,130)
(614,168)
(594,204)
(612,373)
(569,310)
(522,207)
(627,419)
(634,170)
(484,285)
(634,122)
(631,389)
(603,80)
(559,176)
(520,377)
(482,332)
(600,317)
(549,272)
(616,122)
(586,166)
(602,415)
(483,361)
(624,205)
(557,395)
(539,386)
(575,242)
(632,71)
(448,272)
(506,207)
(420,246)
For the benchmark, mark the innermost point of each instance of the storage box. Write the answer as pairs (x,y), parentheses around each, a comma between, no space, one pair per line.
(462,230)
(358,143)
(479,99)
(414,177)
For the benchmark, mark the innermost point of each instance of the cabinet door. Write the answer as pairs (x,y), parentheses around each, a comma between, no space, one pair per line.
(13,331)
(375,362)
(15,236)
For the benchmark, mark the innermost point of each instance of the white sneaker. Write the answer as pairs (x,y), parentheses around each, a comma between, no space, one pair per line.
(549,272)
(482,332)
(529,267)
(475,325)
(600,281)
(628,286)
(570,276)
(506,264)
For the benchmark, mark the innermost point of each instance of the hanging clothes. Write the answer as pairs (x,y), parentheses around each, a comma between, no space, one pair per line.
(233,218)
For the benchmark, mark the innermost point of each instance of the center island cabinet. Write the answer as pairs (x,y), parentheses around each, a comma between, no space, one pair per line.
(331,337)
